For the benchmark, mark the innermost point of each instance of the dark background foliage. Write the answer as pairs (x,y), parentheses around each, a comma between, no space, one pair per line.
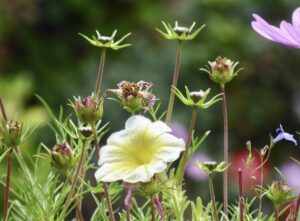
(41,53)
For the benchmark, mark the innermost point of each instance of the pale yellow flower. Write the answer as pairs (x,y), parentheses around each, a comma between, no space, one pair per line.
(138,152)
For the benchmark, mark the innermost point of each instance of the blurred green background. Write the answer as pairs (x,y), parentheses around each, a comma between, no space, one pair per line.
(41,53)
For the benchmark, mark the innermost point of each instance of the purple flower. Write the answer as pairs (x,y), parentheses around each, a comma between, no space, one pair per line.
(290,171)
(193,172)
(287,34)
(284,136)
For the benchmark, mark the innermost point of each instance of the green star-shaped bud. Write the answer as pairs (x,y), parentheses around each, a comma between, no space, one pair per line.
(211,166)
(106,41)
(221,70)
(279,193)
(10,134)
(196,99)
(179,32)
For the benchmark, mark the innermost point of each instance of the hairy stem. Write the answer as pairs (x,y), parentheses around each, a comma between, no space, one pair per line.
(213,197)
(185,156)
(174,83)
(241,198)
(127,213)
(104,185)
(74,182)
(152,209)
(7,186)
(100,71)
(225,126)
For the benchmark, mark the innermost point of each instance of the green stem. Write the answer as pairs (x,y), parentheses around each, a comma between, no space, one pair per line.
(241,198)
(74,182)
(225,126)
(213,198)
(105,186)
(127,213)
(185,156)
(100,71)
(152,209)
(174,83)
(7,186)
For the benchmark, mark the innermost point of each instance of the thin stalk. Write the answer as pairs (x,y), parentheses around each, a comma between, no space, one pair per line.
(276,212)
(100,71)
(79,215)
(297,207)
(127,213)
(225,126)
(104,185)
(241,198)
(96,141)
(152,209)
(261,187)
(185,156)
(174,82)
(3,110)
(74,182)
(7,186)
(213,198)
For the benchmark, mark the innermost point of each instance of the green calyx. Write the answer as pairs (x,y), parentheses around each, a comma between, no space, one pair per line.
(10,134)
(106,41)
(62,156)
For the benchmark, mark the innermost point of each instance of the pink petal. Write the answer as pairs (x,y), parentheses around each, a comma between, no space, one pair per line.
(271,32)
(296,17)
(291,31)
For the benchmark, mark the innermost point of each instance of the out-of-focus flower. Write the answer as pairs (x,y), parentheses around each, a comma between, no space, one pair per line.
(138,152)
(196,99)
(62,156)
(284,136)
(279,193)
(287,34)
(178,130)
(179,32)
(251,176)
(222,70)
(135,97)
(290,171)
(106,41)
(192,171)
(89,109)
(10,134)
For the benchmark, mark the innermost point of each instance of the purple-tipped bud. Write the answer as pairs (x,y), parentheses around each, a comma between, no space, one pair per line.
(62,156)
(89,109)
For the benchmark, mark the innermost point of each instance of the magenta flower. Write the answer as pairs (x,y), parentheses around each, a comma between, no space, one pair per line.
(287,34)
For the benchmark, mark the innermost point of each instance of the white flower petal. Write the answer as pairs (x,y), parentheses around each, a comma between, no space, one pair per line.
(158,128)
(137,122)
(111,172)
(168,153)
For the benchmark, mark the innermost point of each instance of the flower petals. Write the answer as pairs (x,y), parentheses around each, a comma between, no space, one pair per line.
(137,122)
(296,18)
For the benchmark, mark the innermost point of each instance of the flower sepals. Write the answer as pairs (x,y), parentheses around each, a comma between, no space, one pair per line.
(106,41)
(196,99)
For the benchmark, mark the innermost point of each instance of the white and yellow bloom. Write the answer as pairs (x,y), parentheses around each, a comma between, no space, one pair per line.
(138,152)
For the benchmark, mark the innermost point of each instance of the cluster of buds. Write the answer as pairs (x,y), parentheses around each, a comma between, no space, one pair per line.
(196,99)
(10,134)
(106,41)
(179,32)
(210,167)
(279,193)
(89,109)
(62,156)
(135,97)
(222,70)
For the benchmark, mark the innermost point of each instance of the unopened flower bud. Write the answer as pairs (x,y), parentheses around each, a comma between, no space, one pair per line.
(197,95)
(279,193)
(89,109)
(180,30)
(62,156)
(10,133)
(222,70)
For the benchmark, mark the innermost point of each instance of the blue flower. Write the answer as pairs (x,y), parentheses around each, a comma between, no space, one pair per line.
(284,136)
